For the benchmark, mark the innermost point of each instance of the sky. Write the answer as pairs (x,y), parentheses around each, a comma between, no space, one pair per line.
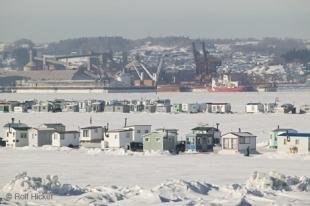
(52,20)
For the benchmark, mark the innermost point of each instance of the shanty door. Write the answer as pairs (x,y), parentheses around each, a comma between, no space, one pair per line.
(234,143)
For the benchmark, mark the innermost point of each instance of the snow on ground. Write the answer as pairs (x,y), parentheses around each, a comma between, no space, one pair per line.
(127,178)
(260,188)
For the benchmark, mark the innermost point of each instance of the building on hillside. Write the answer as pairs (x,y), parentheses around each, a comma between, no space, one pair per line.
(161,140)
(239,142)
(294,143)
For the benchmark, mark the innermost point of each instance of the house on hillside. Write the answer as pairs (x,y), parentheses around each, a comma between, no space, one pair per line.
(15,134)
(161,140)
(294,143)
(254,108)
(118,138)
(202,139)
(66,138)
(273,139)
(239,142)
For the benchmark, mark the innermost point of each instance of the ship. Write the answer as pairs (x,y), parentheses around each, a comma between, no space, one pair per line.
(225,84)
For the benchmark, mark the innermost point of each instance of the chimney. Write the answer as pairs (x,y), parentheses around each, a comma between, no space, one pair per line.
(125,122)
(239,129)
(13,119)
(217,125)
(278,126)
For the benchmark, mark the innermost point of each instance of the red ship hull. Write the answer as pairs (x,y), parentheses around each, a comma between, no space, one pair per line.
(227,89)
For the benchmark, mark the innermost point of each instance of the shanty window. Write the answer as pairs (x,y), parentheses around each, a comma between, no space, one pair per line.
(147,139)
(146,131)
(138,131)
(85,133)
(241,140)
(247,140)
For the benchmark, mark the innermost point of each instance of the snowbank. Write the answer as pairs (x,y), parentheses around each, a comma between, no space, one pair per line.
(258,188)
(277,181)
(121,152)
(22,183)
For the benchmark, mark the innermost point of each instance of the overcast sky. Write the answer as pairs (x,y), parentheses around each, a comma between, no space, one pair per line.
(50,20)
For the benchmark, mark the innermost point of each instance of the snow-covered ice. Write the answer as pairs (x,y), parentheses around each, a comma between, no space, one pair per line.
(122,177)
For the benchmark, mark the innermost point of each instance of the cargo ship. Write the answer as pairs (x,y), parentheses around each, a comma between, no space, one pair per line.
(225,84)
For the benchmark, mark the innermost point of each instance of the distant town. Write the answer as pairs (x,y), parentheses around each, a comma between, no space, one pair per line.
(167,64)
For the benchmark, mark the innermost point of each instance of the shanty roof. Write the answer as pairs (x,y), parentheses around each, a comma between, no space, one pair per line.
(204,128)
(295,134)
(17,126)
(243,134)
(67,132)
(92,127)
(121,130)
(253,103)
(282,130)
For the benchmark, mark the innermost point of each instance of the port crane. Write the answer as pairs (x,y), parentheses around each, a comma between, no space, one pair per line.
(140,68)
